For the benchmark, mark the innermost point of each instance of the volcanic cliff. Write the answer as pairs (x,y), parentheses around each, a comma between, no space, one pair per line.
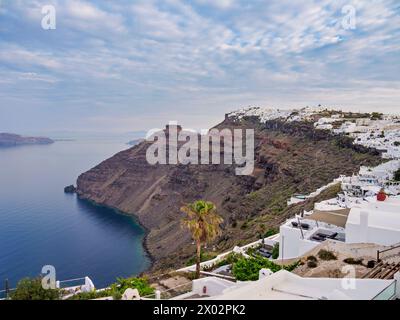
(289,158)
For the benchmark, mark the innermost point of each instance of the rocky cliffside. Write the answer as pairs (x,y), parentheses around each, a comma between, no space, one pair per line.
(290,158)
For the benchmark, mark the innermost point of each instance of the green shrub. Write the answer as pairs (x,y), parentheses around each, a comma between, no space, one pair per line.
(312,264)
(141,284)
(275,251)
(91,295)
(326,255)
(230,259)
(312,258)
(353,261)
(271,232)
(376,116)
(253,251)
(31,289)
(191,275)
(248,269)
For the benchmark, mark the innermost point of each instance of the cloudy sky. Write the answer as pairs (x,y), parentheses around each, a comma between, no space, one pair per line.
(134,65)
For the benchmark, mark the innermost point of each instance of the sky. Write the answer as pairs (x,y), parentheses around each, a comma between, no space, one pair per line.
(122,66)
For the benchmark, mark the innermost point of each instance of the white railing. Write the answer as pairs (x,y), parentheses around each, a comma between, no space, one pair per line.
(271,241)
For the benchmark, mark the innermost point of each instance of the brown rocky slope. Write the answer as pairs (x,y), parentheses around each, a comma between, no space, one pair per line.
(290,158)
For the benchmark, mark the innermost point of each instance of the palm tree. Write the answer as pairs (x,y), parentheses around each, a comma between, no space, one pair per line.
(203,223)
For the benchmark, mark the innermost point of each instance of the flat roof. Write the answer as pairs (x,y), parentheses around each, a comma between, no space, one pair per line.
(385,214)
(284,285)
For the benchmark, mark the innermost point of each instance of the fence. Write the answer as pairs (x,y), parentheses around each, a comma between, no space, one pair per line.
(386,254)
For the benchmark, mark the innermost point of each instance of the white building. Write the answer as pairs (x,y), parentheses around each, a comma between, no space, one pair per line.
(366,222)
(302,234)
(392,152)
(377,222)
(284,285)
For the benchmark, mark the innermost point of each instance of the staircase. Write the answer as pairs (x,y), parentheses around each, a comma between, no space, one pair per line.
(383,270)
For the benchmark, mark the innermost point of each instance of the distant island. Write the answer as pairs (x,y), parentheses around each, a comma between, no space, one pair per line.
(12,140)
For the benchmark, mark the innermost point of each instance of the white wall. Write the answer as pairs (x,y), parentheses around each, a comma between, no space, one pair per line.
(214,286)
(291,244)
(358,234)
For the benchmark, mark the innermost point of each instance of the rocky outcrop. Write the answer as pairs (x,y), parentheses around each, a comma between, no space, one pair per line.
(70,189)
(12,140)
(290,158)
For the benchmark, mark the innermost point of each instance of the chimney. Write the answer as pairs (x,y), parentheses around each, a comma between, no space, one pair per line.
(364,218)
(363,231)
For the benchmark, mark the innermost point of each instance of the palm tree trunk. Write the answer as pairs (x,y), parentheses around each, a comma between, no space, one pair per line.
(198,259)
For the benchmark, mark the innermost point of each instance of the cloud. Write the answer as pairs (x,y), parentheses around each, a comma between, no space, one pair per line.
(122,59)
(221,4)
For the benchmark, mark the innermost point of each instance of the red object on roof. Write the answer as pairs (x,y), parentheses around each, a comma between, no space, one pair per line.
(381,196)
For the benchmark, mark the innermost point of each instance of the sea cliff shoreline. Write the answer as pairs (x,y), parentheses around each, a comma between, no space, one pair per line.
(136,220)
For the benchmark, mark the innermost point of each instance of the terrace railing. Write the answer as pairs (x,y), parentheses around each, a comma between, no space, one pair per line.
(391,252)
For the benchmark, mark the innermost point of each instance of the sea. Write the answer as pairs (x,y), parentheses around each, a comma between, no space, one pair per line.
(40,225)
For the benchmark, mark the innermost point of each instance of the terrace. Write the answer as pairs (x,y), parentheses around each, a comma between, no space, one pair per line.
(284,285)
(299,235)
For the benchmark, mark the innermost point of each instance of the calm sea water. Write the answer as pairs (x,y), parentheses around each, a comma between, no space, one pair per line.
(40,225)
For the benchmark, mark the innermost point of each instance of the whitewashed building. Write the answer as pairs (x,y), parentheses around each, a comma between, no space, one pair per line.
(284,285)
(377,222)
(366,222)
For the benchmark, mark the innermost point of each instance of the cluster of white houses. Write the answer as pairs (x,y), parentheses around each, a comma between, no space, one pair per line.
(382,133)
(366,211)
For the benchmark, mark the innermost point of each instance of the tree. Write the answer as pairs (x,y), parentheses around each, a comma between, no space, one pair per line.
(32,289)
(203,222)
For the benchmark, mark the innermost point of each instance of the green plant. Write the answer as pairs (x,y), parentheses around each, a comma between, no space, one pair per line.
(32,289)
(271,232)
(91,295)
(376,116)
(253,251)
(141,284)
(326,255)
(203,223)
(312,264)
(190,275)
(312,258)
(353,261)
(248,269)
(230,259)
(275,251)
